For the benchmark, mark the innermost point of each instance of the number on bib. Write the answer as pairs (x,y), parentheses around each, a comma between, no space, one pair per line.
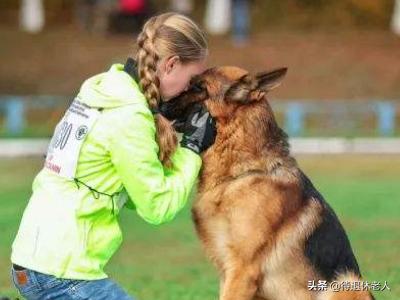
(69,135)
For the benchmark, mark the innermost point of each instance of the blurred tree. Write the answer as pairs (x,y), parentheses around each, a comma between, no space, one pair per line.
(240,21)
(182,6)
(396,18)
(218,16)
(320,14)
(130,16)
(32,15)
(93,15)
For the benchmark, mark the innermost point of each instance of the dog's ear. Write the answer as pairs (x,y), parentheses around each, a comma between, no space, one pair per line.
(269,80)
(249,89)
(240,90)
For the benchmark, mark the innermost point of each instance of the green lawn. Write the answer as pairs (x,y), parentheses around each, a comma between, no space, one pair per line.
(166,263)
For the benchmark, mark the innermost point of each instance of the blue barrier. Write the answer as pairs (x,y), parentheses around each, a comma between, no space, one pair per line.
(14,109)
(294,119)
(15,121)
(386,118)
(345,115)
(240,21)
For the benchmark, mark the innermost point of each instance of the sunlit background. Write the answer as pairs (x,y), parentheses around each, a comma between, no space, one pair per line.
(340,105)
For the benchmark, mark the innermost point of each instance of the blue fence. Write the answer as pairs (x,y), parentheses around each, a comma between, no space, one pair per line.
(15,109)
(373,117)
(298,117)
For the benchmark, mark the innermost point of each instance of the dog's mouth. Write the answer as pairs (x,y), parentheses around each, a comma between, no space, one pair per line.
(174,113)
(170,109)
(178,108)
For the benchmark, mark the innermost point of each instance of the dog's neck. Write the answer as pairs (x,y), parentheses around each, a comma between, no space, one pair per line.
(244,144)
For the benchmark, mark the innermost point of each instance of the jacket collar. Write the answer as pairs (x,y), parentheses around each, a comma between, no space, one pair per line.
(130,67)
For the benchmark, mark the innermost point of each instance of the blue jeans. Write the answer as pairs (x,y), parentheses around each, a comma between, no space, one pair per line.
(38,286)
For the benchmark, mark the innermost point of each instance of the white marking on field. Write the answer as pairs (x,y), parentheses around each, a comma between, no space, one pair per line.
(38,147)
(343,145)
(23,147)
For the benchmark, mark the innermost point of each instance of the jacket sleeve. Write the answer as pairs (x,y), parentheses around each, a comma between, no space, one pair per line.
(158,193)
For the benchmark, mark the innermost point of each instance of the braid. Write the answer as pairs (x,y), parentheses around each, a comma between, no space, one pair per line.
(147,59)
(163,36)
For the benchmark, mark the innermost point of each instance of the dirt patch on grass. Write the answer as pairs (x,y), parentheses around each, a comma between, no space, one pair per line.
(323,65)
(352,165)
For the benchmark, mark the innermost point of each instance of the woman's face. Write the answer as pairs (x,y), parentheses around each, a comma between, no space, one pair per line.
(175,76)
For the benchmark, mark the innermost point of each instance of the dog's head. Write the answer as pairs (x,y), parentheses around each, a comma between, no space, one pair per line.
(223,90)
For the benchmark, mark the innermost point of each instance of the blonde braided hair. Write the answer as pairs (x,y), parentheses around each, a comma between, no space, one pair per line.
(163,36)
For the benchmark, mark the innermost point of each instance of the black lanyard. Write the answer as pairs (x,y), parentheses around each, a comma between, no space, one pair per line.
(130,67)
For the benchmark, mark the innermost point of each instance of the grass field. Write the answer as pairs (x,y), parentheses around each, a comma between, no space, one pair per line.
(166,263)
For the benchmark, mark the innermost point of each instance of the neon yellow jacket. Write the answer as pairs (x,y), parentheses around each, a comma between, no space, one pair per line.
(71,232)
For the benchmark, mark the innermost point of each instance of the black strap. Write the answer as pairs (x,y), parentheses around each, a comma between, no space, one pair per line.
(130,67)
(18,268)
(155,111)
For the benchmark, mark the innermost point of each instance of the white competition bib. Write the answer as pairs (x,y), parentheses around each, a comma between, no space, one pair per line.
(65,145)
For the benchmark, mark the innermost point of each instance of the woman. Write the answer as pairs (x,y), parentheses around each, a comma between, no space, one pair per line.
(113,148)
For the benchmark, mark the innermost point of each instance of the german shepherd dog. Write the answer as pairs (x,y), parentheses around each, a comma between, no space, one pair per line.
(266,228)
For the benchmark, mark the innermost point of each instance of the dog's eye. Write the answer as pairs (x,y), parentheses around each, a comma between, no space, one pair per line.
(197,88)
(197,85)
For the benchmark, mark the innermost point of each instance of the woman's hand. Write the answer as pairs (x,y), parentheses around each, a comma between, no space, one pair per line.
(199,130)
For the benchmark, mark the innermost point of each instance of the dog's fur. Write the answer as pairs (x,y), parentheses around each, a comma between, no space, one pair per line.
(261,221)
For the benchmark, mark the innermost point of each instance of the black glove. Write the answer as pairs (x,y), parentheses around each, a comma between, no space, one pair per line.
(199,130)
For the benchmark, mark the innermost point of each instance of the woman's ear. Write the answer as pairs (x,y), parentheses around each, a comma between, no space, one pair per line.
(170,63)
